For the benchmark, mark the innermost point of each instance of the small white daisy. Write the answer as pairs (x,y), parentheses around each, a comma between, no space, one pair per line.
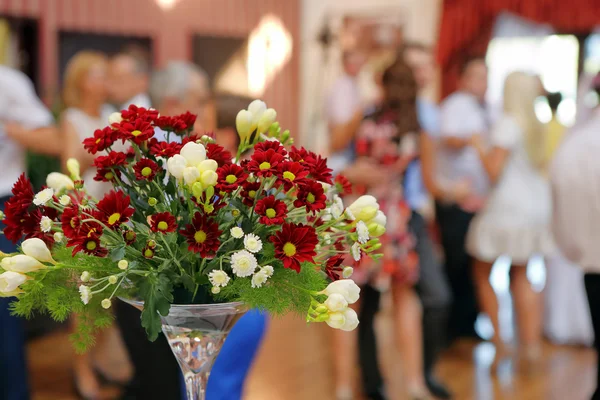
(362,231)
(123,264)
(112,279)
(349,214)
(64,200)
(43,197)
(85,293)
(106,304)
(237,232)
(243,263)
(215,290)
(327,238)
(258,279)
(218,278)
(267,270)
(58,237)
(85,276)
(347,272)
(46,224)
(356,251)
(337,207)
(252,243)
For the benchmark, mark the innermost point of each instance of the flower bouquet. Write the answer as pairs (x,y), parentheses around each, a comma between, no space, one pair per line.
(190,234)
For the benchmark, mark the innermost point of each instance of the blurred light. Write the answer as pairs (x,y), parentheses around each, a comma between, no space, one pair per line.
(166,4)
(542,110)
(566,112)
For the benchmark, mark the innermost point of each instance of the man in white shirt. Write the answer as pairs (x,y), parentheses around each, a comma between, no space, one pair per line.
(22,117)
(463,116)
(129,80)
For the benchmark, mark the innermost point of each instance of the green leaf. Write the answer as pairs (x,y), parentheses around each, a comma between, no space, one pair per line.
(156,291)
(117,254)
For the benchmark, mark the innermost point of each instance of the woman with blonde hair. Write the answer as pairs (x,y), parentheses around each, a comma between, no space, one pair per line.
(515,220)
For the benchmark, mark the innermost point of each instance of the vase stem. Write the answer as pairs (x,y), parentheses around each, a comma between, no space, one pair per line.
(196,385)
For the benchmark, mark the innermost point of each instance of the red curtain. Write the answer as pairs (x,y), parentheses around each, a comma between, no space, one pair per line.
(467,25)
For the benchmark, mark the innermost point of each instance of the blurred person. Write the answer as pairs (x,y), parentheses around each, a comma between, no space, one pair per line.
(128,75)
(555,129)
(516,218)
(433,287)
(25,117)
(462,116)
(575,173)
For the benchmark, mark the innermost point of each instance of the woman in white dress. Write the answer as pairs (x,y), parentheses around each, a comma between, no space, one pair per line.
(515,220)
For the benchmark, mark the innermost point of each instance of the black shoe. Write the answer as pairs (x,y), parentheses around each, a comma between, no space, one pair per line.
(437,388)
(378,395)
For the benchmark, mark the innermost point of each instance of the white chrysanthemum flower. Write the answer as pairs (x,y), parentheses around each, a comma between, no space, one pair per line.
(349,214)
(112,279)
(347,272)
(58,237)
(237,232)
(85,276)
(86,294)
(123,264)
(43,197)
(258,279)
(337,207)
(362,231)
(243,263)
(218,278)
(46,224)
(356,251)
(252,243)
(267,270)
(64,200)
(106,303)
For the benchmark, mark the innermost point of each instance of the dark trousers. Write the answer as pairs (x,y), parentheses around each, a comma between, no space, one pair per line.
(13,368)
(592,287)
(156,372)
(454,225)
(435,297)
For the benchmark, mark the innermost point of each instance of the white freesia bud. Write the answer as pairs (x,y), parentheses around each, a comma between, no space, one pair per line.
(85,293)
(243,124)
(364,208)
(37,249)
(74,169)
(257,109)
(64,200)
(105,304)
(21,263)
(379,219)
(266,120)
(336,320)
(43,197)
(194,153)
(351,320)
(208,165)
(115,118)
(191,175)
(209,178)
(176,165)
(376,230)
(336,303)
(85,276)
(347,272)
(10,282)
(345,287)
(58,181)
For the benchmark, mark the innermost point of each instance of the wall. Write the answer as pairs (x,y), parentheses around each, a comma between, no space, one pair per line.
(171,31)
(419,18)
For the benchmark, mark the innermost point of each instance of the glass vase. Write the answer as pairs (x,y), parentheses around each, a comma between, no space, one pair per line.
(196,333)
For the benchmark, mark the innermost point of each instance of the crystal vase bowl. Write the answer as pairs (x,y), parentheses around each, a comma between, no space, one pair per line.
(196,333)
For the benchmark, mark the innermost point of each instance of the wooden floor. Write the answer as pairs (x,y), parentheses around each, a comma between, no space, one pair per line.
(294,364)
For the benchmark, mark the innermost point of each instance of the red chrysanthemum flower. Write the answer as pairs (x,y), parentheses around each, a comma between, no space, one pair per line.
(316,165)
(299,154)
(145,169)
(265,163)
(202,236)
(230,177)
(89,245)
(333,267)
(15,208)
(163,149)
(102,140)
(31,225)
(108,166)
(172,124)
(219,154)
(343,184)
(270,144)
(138,131)
(312,196)
(271,210)
(163,222)
(71,221)
(291,173)
(188,118)
(250,193)
(295,244)
(130,153)
(114,209)
(134,113)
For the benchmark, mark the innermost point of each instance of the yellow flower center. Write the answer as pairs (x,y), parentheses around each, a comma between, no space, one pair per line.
(271,213)
(200,237)
(98,141)
(136,133)
(310,198)
(235,213)
(90,245)
(109,175)
(289,176)
(162,226)
(231,179)
(252,194)
(264,165)
(146,171)
(289,249)
(72,223)
(130,235)
(148,253)
(113,219)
